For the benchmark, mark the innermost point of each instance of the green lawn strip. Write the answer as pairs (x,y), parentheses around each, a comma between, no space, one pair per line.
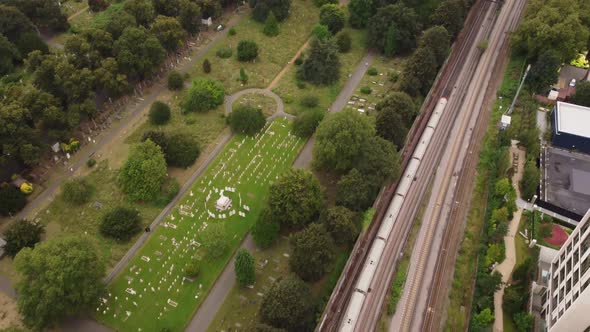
(273,52)
(508,323)
(242,303)
(273,154)
(368,218)
(291,94)
(380,84)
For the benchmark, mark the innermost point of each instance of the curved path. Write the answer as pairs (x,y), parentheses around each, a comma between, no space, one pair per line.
(280,109)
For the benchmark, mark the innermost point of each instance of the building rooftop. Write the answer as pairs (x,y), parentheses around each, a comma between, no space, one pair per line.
(573,119)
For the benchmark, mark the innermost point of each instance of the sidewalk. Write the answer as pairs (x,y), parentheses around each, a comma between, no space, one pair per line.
(506,267)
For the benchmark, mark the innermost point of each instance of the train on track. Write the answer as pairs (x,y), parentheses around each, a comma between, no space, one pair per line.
(365,279)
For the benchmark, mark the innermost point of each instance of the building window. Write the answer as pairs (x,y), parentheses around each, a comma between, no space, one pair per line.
(584,228)
(585,285)
(575,296)
(569,266)
(568,286)
(585,266)
(585,244)
(567,305)
(576,256)
(576,277)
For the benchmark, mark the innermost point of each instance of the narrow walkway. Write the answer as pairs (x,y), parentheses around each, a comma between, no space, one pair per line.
(506,267)
(279,112)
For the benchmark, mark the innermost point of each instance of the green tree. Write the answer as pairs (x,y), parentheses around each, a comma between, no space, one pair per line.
(13,23)
(175,81)
(243,76)
(333,17)
(169,32)
(181,150)
(544,72)
(206,66)
(117,22)
(77,191)
(390,46)
(142,10)
(450,14)
(143,173)
(339,139)
(343,41)
(524,321)
(12,200)
(340,223)
(204,95)
(402,104)
(271,26)
(530,180)
(322,65)
(22,234)
(406,25)
(159,113)
(296,199)
(552,25)
(246,119)
(266,229)
(189,16)
(9,55)
(97,5)
(437,39)
(215,240)
(109,79)
(313,251)
(321,32)
(59,277)
(419,72)
(29,42)
(288,304)
(307,121)
(138,52)
(494,254)
(355,192)
(120,223)
(245,268)
(247,50)
(378,161)
(482,320)
(360,12)
(582,95)
(166,7)
(44,14)
(261,9)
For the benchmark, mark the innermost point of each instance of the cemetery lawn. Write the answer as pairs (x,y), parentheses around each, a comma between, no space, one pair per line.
(266,103)
(160,263)
(240,308)
(273,52)
(287,87)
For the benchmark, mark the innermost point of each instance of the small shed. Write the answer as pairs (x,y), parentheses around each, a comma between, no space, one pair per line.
(505,121)
(2,244)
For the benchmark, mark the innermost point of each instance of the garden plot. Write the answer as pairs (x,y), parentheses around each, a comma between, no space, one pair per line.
(152,292)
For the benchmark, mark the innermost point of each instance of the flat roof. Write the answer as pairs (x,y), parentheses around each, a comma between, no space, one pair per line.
(581,181)
(573,119)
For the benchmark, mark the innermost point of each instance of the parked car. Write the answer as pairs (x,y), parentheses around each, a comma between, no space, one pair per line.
(573,82)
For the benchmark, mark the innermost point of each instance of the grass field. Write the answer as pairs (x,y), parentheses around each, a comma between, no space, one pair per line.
(273,52)
(247,164)
(291,94)
(240,308)
(267,104)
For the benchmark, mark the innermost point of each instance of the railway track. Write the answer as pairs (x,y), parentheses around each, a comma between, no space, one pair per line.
(449,74)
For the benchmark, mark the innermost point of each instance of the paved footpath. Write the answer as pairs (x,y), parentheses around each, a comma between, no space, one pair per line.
(506,267)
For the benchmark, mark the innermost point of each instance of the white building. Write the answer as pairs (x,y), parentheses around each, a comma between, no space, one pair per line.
(566,300)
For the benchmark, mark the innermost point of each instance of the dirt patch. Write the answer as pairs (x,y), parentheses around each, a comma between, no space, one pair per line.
(9,316)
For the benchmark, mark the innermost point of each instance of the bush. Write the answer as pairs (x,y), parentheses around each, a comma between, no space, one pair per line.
(159,113)
(90,163)
(169,190)
(120,223)
(26,188)
(243,76)
(232,32)
(192,269)
(224,52)
(366,90)
(246,119)
(343,41)
(266,229)
(393,76)
(245,268)
(271,26)
(247,50)
(321,32)
(204,95)
(310,101)
(175,81)
(372,71)
(206,66)
(301,85)
(12,200)
(306,122)
(77,191)
(181,150)
(21,234)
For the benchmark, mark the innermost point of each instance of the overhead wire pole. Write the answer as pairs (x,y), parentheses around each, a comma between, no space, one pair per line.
(526,72)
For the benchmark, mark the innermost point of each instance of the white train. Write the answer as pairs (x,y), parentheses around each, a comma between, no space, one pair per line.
(363,283)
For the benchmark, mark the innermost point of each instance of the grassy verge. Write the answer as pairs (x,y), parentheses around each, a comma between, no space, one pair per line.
(273,52)
(151,292)
(292,94)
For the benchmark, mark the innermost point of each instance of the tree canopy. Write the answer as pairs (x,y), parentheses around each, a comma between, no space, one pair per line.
(333,17)
(437,39)
(138,52)
(169,32)
(59,277)
(322,65)
(266,229)
(544,72)
(142,10)
(340,223)
(262,8)
(204,95)
(288,304)
(360,12)
(313,251)
(143,173)
(22,234)
(450,14)
(355,192)
(247,50)
(246,119)
(245,268)
(120,223)
(12,200)
(296,199)
(419,72)
(406,27)
(339,139)
(582,95)
(215,240)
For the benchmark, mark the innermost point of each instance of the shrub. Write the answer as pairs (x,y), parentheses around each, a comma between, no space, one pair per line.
(159,113)
(12,200)
(90,163)
(309,101)
(77,191)
(306,122)
(247,50)
(144,172)
(232,32)
(21,234)
(246,119)
(175,80)
(372,71)
(204,95)
(393,76)
(299,60)
(192,269)
(301,85)
(271,26)
(343,41)
(245,268)
(26,188)
(224,52)
(243,76)
(170,189)
(366,90)
(332,16)
(206,66)
(120,223)
(181,150)
(321,32)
